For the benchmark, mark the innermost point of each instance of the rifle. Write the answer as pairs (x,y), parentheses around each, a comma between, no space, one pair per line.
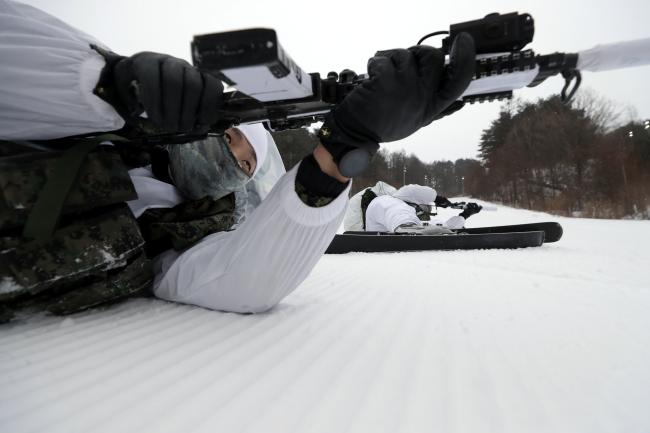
(432,209)
(463,205)
(272,89)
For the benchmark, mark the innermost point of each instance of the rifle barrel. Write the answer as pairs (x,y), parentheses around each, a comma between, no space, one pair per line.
(617,55)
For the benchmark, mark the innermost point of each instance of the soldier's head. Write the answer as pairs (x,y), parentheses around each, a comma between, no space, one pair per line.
(248,143)
(219,164)
(419,197)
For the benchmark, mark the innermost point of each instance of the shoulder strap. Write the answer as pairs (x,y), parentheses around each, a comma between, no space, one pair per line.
(368,196)
(44,216)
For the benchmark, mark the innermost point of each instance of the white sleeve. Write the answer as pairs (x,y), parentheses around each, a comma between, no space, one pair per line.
(386,213)
(254,267)
(455,222)
(47,75)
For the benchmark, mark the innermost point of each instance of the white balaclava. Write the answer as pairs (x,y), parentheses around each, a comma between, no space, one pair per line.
(257,137)
(416,194)
(208,167)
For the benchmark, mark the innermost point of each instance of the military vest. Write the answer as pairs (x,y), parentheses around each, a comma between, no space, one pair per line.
(68,241)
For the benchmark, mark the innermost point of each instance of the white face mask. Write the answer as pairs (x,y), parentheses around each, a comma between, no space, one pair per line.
(205,168)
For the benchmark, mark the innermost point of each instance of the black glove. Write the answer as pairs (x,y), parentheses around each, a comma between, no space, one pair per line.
(175,96)
(407,90)
(441,201)
(454,107)
(470,209)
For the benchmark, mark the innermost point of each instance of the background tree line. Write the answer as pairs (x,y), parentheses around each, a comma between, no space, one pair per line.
(395,168)
(566,159)
(543,155)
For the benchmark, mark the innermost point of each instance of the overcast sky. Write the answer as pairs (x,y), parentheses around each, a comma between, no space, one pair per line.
(332,35)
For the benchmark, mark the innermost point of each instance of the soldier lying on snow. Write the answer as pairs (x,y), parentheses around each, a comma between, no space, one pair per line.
(382,208)
(80,229)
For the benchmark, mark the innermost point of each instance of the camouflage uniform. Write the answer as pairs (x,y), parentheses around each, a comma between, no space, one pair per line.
(39,235)
(98,252)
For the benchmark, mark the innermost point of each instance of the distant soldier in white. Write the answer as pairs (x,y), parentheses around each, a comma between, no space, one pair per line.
(355,216)
(382,208)
(69,242)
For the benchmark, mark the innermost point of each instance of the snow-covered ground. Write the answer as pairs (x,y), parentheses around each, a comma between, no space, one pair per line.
(550,339)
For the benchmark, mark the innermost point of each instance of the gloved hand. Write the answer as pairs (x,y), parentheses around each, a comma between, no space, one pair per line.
(175,96)
(470,209)
(441,201)
(454,107)
(406,90)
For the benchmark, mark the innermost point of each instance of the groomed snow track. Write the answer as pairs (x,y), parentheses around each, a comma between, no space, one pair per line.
(549,339)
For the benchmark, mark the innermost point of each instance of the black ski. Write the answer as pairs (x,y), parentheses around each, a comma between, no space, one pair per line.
(552,230)
(373,242)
